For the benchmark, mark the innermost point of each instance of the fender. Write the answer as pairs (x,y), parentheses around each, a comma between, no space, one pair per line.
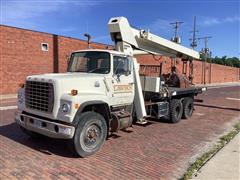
(85,104)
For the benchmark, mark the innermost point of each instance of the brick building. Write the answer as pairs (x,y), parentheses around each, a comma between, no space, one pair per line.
(25,52)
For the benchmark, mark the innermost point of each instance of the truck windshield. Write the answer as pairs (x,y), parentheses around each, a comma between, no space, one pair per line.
(90,62)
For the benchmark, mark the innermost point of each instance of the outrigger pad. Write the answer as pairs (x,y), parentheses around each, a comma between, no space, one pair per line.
(142,121)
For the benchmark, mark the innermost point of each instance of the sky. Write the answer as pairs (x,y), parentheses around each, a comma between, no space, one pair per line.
(219,19)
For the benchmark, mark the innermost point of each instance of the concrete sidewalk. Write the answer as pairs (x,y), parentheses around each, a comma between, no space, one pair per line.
(225,165)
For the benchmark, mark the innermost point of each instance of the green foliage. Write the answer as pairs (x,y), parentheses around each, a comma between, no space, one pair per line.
(228,61)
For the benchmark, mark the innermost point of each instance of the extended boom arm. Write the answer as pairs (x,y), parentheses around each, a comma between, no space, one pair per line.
(133,41)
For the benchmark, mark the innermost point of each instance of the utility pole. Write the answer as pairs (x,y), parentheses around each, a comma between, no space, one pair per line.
(176,26)
(194,39)
(207,53)
(193,44)
(206,39)
(176,39)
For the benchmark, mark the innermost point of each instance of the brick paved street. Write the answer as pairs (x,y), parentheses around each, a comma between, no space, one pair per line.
(156,151)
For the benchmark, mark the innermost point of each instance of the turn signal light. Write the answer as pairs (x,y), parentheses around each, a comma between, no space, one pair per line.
(77,106)
(74,92)
(21,85)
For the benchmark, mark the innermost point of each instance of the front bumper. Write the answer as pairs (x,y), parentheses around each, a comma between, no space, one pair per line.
(45,127)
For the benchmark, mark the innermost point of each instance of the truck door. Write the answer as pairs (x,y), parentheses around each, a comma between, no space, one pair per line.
(123,81)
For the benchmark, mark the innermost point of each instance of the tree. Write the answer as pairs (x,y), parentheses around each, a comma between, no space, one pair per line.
(224,60)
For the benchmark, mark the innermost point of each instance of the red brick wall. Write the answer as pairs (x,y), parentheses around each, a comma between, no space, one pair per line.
(220,74)
(21,55)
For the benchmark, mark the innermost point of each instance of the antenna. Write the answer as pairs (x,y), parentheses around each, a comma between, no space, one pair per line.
(194,39)
(176,26)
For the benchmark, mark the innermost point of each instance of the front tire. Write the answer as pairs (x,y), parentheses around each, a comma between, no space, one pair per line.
(90,134)
(176,110)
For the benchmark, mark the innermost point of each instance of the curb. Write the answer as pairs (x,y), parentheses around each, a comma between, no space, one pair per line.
(8,96)
(220,84)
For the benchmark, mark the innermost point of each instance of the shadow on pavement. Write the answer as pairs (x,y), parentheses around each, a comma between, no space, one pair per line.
(43,144)
(218,107)
(164,120)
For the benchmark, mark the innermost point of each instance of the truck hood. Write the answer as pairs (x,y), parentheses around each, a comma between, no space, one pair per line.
(61,76)
(85,83)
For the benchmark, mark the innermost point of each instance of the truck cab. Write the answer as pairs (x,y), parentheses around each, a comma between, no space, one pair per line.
(97,83)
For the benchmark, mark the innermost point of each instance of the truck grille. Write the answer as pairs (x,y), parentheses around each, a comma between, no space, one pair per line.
(39,96)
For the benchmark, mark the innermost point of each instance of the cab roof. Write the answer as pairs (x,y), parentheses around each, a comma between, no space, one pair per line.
(102,50)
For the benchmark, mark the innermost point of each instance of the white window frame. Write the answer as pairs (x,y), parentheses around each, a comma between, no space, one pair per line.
(42,46)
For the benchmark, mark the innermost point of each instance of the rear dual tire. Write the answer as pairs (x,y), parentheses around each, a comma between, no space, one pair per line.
(175,110)
(188,107)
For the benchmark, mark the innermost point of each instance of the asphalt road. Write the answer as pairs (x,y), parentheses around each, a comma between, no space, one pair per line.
(158,150)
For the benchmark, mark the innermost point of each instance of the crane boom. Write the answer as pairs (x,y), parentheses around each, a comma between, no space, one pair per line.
(134,41)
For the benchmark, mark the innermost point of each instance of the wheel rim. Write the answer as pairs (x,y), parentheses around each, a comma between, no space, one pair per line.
(91,136)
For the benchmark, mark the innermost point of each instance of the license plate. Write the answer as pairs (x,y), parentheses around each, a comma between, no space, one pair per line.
(37,123)
(65,130)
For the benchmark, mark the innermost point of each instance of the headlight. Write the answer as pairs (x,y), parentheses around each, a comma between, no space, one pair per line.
(65,107)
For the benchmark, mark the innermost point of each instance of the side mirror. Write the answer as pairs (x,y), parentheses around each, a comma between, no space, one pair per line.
(128,73)
(118,76)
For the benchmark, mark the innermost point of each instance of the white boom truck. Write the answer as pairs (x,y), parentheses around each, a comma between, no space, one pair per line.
(102,91)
